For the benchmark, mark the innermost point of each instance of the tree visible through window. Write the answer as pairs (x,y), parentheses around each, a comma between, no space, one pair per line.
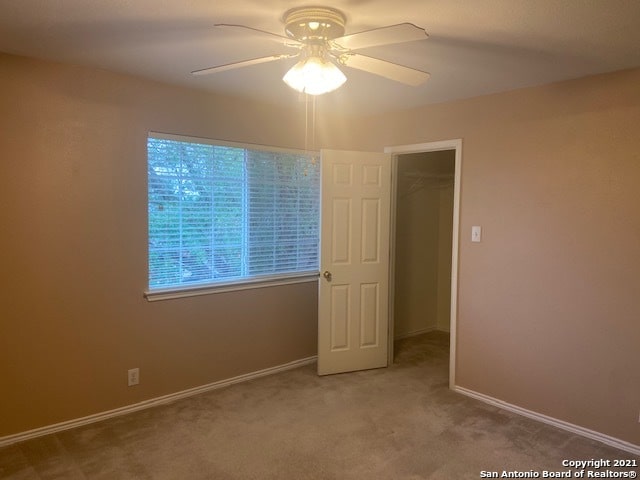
(221,214)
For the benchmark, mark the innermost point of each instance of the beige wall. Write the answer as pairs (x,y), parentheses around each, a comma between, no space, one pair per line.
(73,216)
(445,239)
(416,268)
(549,302)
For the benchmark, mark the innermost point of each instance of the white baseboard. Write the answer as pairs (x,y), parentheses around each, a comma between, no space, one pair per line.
(585,432)
(172,397)
(414,333)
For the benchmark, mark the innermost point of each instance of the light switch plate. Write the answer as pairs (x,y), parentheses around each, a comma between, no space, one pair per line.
(476,234)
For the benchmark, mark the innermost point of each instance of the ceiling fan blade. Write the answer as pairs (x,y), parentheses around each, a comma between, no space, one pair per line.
(289,42)
(392,71)
(244,63)
(403,32)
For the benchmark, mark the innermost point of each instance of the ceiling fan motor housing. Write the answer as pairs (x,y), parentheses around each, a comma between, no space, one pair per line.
(314,24)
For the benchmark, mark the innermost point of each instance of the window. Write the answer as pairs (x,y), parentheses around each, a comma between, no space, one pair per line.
(223,214)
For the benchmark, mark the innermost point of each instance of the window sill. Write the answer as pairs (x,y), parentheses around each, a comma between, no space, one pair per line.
(192,291)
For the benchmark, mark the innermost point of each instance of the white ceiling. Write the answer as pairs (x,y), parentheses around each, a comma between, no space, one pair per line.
(475,47)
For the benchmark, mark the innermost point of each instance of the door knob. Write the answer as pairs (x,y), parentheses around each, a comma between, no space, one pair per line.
(327,275)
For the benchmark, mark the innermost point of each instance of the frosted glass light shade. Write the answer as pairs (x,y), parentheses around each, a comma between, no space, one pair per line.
(315,76)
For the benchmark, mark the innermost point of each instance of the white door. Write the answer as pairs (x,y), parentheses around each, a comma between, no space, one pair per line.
(353,299)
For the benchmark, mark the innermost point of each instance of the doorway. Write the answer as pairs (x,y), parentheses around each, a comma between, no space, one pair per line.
(424,238)
(424,225)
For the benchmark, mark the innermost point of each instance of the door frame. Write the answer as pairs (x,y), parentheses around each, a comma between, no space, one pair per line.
(395,151)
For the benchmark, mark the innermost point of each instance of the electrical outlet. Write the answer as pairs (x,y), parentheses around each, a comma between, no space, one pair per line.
(133,376)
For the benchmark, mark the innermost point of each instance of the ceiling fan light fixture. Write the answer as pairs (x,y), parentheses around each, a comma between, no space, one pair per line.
(314,75)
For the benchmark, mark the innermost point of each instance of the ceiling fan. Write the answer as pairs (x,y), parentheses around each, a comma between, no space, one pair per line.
(317,33)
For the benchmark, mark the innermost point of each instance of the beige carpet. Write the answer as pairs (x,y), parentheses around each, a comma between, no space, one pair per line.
(396,423)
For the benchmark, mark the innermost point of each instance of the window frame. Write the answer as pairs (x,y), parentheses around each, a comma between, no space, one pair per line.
(237,284)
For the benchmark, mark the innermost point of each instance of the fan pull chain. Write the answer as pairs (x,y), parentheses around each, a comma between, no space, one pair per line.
(313,131)
(313,115)
(306,122)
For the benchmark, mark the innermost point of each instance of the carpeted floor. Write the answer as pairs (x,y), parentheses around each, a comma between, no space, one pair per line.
(400,422)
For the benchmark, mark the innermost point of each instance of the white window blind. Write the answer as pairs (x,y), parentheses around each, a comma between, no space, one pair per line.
(221,214)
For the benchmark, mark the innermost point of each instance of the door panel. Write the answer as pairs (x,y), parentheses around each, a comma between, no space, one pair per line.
(340,317)
(370,230)
(341,227)
(353,296)
(369,314)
